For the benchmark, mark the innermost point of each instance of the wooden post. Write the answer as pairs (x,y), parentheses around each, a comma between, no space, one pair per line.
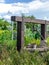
(20,35)
(43,31)
(13,18)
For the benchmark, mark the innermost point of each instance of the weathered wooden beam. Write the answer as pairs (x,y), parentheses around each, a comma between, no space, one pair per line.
(17,18)
(20,35)
(45,29)
(42,31)
(44,49)
(13,18)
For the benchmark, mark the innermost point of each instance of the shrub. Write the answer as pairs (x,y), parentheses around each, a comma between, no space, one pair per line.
(31,37)
(46,58)
(38,42)
(10,44)
(28,36)
(13,57)
(5,35)
(47,41)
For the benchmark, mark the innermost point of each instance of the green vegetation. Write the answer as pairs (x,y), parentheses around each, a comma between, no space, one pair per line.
(6,34)
(31,38)
(6,38)
(4,24)
(12,57)
(47,40)
(8,53)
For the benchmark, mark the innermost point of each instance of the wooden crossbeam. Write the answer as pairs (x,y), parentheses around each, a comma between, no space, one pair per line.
(17,18)
(44,49)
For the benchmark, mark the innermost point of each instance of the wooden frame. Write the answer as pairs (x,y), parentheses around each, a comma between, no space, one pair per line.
(20,28)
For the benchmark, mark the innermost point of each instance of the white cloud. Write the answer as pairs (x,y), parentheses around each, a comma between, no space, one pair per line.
(4,8)
(46,18)
(26,8)
(18,8)
(2,1)
(7,17)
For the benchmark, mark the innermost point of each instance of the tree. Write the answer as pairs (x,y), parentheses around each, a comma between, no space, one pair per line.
(30,25)
(33,27)
(4,24)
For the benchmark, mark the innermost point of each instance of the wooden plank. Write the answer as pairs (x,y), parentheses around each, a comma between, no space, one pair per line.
(42,31)
(20,36)
(17,18)
(38,49)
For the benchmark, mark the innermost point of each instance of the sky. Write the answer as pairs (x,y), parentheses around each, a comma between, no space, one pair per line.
(38,8)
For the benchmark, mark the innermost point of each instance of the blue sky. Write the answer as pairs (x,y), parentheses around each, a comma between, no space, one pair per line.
(13,1)
(37,8)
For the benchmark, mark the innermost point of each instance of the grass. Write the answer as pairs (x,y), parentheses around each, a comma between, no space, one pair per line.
(13,57)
